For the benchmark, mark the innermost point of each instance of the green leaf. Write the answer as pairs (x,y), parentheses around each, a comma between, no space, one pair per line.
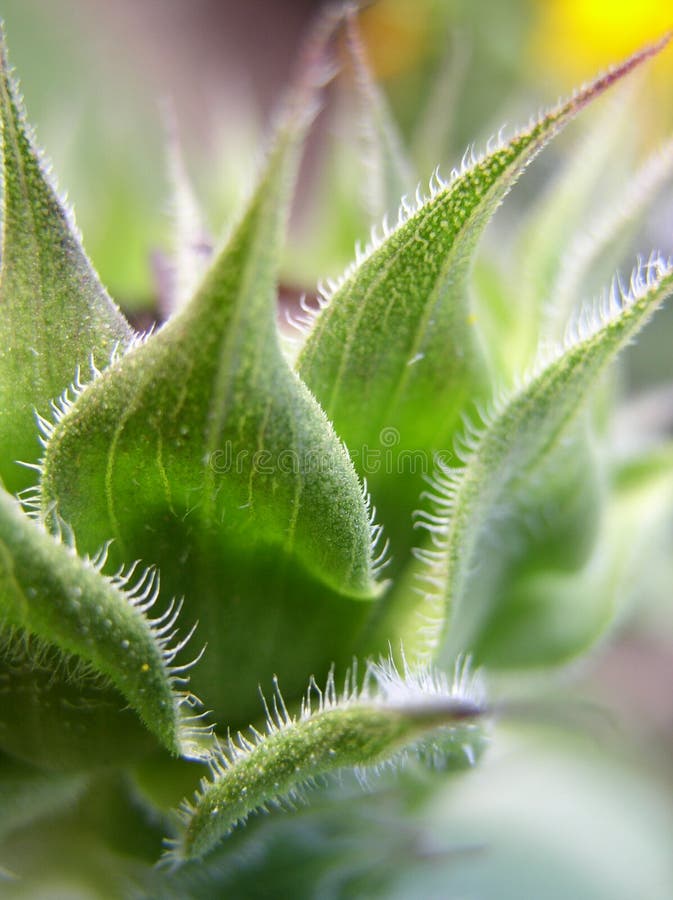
(47,591)
(361,728)
(56,315)
(211,392)
(397,328)
(550,616)
(393,355)
(518,438)
(203,439)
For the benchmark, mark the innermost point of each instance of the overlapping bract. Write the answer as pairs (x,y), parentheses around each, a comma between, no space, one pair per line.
(202,450)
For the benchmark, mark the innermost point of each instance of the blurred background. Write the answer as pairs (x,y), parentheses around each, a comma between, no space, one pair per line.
(97,77)
(558,809)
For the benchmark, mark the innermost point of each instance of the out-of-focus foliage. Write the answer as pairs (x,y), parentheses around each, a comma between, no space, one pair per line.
(524,496)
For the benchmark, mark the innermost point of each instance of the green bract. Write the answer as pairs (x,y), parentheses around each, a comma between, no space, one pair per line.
(307,509)
(55,312)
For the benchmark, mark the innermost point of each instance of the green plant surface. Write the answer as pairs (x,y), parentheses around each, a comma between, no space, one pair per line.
(50,593)
(212,512)
(241,464)
(517,439)
(73,320)
(332,732)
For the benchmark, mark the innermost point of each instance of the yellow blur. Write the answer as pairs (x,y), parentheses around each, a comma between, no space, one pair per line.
(396,35)
(577,37)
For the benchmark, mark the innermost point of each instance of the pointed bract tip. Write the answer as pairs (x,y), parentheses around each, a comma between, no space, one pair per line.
(620,70)
(317,63)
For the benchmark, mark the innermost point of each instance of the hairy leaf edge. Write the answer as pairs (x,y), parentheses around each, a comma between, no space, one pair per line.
(651,283)
(364,727)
